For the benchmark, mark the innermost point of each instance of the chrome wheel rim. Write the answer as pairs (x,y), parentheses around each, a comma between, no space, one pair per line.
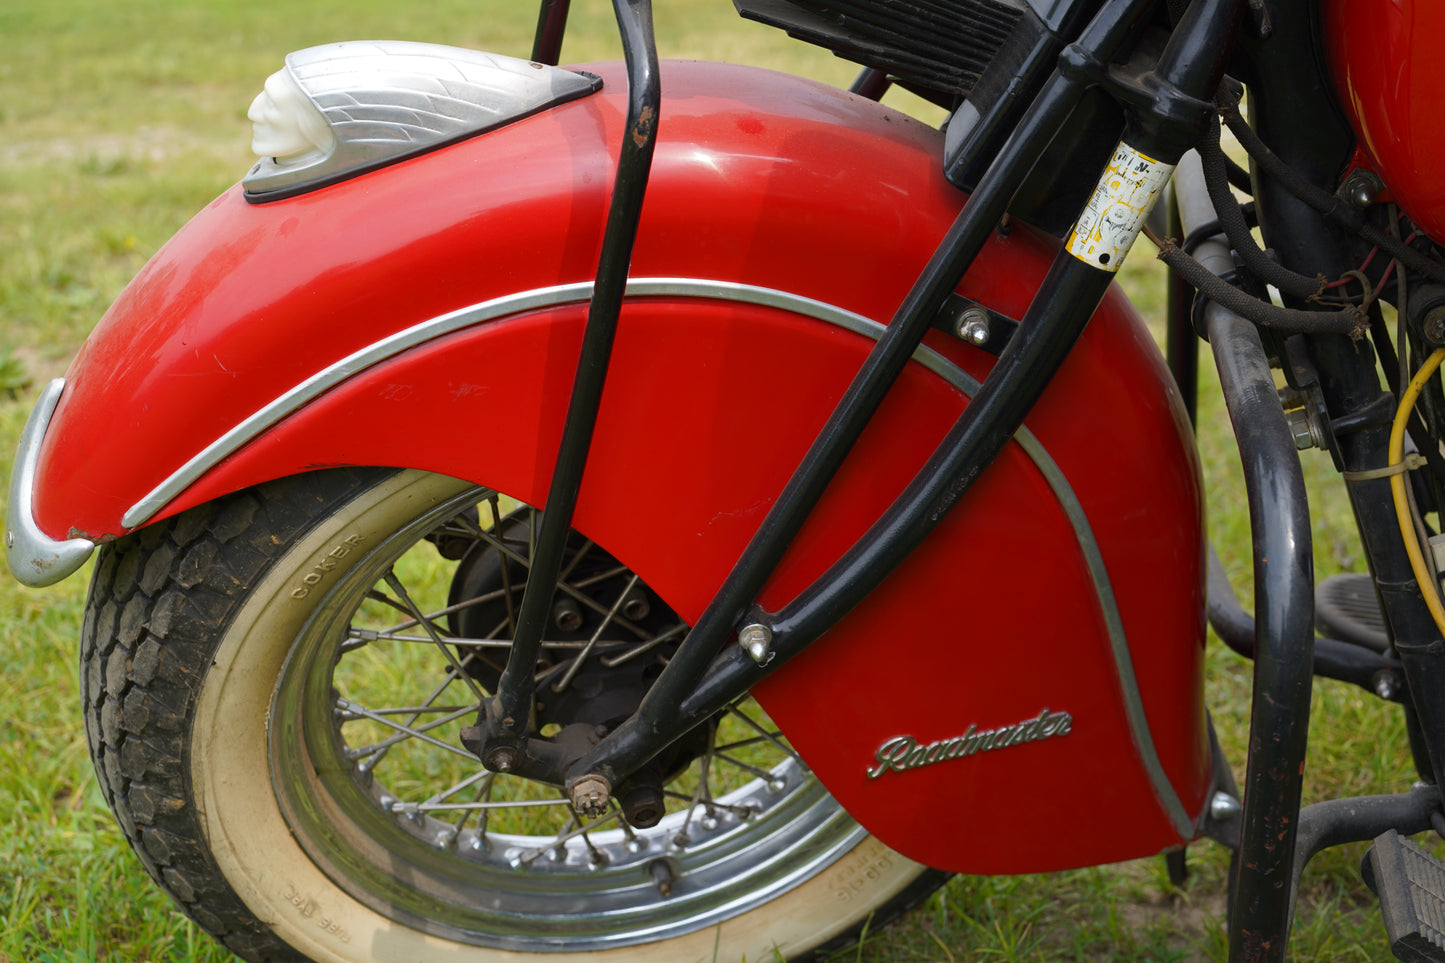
(370,777)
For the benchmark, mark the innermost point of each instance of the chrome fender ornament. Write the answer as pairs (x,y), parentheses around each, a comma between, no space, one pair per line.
(342,109)
(902,753)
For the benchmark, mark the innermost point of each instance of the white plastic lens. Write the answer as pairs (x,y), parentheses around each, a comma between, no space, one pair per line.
(285,124)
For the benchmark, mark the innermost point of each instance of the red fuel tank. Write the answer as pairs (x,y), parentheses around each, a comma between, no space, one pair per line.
(1389,74)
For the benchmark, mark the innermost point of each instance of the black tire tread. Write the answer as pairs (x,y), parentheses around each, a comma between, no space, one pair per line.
(157,602)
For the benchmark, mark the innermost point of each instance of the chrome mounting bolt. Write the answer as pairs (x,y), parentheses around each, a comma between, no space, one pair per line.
(973,326)
(1224,807)
(757,641)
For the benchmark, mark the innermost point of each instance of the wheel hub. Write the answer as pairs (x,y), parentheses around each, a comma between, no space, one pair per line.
(594,671)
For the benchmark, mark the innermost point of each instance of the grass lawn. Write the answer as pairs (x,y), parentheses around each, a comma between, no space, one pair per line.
(117,121)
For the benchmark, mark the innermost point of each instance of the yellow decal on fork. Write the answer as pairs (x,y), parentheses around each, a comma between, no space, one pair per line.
(1111,221)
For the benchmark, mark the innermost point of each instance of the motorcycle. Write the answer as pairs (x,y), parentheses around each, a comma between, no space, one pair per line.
(781,396)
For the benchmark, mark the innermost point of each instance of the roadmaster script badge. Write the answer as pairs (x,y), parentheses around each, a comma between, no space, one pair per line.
(903,752)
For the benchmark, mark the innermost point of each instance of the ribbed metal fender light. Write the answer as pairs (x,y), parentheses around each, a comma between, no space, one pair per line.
(342,109)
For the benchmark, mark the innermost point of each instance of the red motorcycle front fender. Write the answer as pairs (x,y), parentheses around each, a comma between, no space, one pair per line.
(1036,664)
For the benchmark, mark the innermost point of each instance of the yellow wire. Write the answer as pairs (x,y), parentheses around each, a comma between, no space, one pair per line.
(1424,574)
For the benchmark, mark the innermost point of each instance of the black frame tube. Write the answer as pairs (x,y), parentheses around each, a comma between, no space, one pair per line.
(1361,818)
(551,28)
(1181,343)
(1334,659)
(509,710)
(1263,899)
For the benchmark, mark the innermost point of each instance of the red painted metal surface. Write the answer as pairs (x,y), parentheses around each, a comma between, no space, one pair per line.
(768,181)
(1385,57)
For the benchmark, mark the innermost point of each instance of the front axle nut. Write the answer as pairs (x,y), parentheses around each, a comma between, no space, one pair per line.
(590,795)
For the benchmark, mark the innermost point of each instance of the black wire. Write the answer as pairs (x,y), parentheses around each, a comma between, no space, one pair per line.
(1231,218)
(1349,320)
(1330,205)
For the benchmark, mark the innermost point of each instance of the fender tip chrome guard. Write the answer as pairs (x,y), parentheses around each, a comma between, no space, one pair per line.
(343,109)
(35,558)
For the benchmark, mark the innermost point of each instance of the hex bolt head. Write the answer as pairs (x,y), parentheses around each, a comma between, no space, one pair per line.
(757,641)
(1298,420)
(1361,188)
(637,606)
(500,759)
(1386,686)
(1223,807)
(567,615)
(1435,326)
(973,326)
(590,795)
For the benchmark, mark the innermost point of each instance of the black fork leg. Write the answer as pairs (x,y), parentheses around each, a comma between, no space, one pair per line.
(551,26)
(506,719)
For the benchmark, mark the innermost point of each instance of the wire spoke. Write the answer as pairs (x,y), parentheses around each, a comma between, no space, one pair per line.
(742,812)
(760,773)
(487,643)
(568,834)
(473,602)
(645,647)
(597,577)
(484,791)
(482,776)
(430,807)
(400,589)
(581,657)
(378,596)
(770,736)
(414,711)
(404,730)
(511,623)
(703,790)
(379,752)
(567,587)
(595,854)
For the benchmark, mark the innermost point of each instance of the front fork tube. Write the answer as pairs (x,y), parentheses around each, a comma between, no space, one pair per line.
(1353,388)
(500,737)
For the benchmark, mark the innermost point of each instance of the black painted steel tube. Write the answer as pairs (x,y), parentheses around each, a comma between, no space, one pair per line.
(1066,301)
(514,691)
(1284,641)
(1334,659)
(1360,818)
(551,27)
(1069,295)
(1181,350)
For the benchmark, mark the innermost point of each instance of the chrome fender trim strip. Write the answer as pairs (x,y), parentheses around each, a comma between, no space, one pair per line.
(35,558)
